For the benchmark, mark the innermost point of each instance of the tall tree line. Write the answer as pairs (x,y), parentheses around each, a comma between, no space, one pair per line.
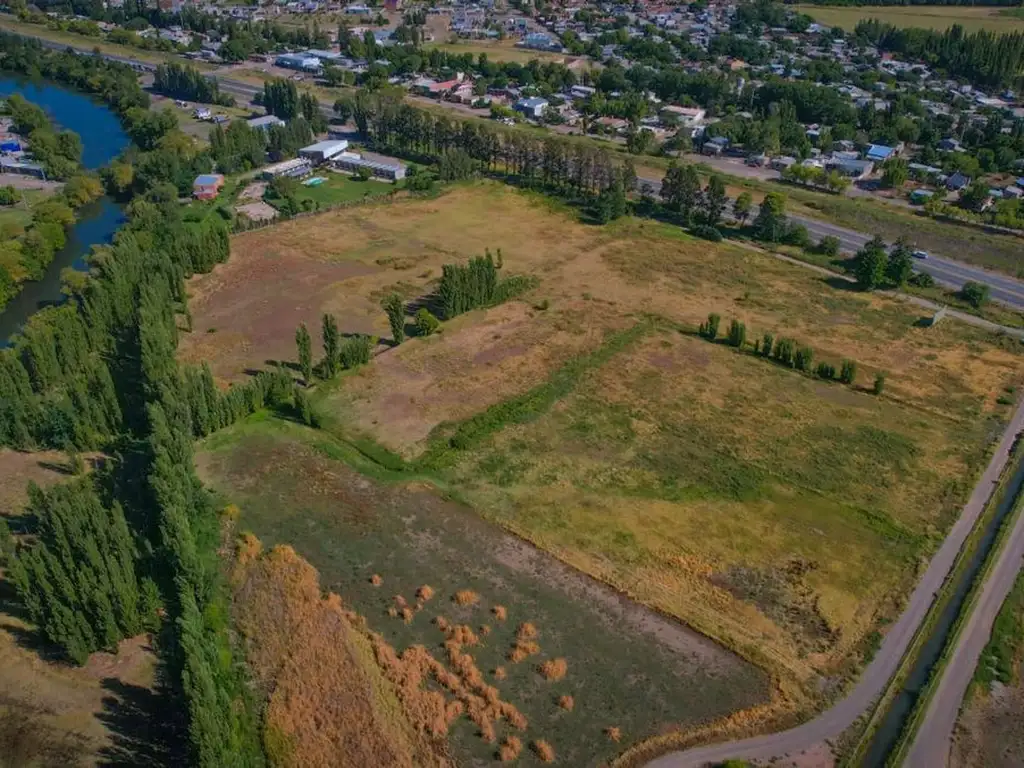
(100,371)
(181,81)
(560,164)
(79,577)
(988,58)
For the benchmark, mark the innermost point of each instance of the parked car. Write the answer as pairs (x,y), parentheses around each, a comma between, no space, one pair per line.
(920,254)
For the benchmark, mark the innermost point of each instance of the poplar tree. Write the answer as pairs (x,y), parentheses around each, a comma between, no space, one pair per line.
(305,348)
(78,577)
(395,309)
(332,345)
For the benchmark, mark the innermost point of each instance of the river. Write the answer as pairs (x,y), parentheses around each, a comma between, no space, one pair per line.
(102,140)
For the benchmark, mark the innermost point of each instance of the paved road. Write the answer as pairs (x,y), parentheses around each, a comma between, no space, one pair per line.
(834,721)
(932,742)
(946,271)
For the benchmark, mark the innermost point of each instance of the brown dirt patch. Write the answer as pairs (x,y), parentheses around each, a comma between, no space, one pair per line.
(989,733)
(258,211)
(326,706)
(18,469)
(245,311)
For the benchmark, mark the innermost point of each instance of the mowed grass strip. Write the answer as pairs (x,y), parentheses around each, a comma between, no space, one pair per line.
(378,546)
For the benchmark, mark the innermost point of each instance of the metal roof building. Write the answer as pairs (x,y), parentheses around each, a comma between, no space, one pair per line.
(323,151)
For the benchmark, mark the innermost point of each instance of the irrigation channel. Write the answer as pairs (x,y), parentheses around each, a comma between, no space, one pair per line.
(102,141)
(895,721)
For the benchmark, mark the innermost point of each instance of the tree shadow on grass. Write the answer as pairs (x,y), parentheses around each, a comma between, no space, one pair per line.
(842,284)
(147,726)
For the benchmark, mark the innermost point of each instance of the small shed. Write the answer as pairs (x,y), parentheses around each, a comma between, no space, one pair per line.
(207,186)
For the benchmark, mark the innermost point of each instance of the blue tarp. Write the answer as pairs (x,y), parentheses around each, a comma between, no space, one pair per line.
(10,146)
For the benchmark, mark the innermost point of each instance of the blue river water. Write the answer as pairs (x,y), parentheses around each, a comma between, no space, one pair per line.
(103,139)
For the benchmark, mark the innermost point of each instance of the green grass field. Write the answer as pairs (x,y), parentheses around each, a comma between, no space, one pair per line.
(938,17)
(498,51)
(340,188)
(784,516)
(627,667)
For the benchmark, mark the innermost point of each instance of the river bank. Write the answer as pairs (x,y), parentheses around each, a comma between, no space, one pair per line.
(103,139)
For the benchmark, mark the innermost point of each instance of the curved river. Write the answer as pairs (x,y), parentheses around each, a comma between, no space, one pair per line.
(102,141)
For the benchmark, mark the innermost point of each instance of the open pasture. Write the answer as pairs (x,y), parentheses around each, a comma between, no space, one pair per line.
(780,514)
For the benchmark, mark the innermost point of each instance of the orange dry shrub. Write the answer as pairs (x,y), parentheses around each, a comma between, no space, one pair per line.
(614,733)
(466,597)
(526,631)
(544,751)
(485,630)
(376,580)
(500,612)
(553,669)
(400,601)
(424,593)
(500,673)
(510,749)
(514,717)
(566,702)
(442,623)
(407,615)
(463,635)
(301,648)
(522,650)
(247,549)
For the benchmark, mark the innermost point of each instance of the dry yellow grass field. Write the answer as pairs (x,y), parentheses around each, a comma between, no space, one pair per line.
(779,514)
(939,17)
(327,703)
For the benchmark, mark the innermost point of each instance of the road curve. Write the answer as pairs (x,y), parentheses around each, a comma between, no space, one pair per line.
(932,742)
(837,719)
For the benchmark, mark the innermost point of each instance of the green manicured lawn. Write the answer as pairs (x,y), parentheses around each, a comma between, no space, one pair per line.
(340,188)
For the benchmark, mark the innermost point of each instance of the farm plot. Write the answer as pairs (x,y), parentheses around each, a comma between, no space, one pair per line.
(781,514)
(416,567)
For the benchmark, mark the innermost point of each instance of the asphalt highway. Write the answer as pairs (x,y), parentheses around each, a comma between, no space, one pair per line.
(946,271)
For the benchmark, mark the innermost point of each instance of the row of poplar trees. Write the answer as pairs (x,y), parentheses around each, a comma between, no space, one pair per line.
(575,168)
(105,553)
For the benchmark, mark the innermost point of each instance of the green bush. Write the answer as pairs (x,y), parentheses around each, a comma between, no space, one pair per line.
(708,233)
(426,323)
(709,329)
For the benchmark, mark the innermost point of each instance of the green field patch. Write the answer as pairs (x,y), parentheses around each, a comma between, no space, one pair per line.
(627,667)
